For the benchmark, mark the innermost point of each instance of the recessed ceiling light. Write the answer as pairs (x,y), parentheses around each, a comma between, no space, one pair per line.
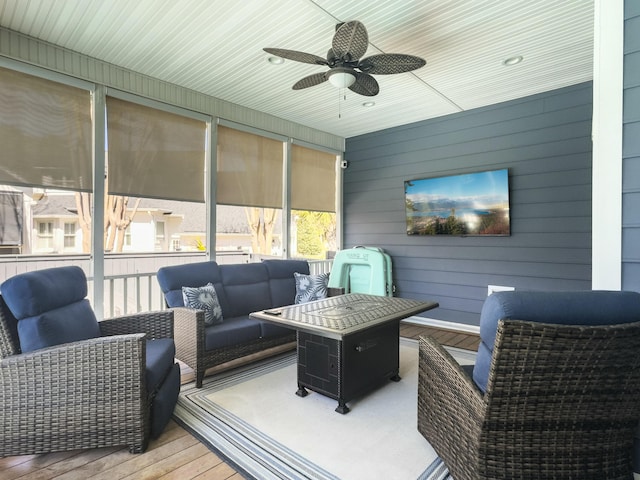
(368,104)
(513,60)
(275,60)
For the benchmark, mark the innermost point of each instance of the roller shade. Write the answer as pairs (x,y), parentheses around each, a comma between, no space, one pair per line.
(45,133)
(313,180)
(153,153)
(249,169)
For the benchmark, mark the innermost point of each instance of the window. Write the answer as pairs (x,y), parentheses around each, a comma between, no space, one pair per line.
(159,235)
(69,235)
(313,202)
(127,237)
(155,169)
(46,137)
(45,235)
(249,192)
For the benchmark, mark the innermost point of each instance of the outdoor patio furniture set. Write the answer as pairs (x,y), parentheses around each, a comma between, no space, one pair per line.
(554,392)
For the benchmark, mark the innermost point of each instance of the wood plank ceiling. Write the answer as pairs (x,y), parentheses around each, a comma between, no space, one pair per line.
(215,47)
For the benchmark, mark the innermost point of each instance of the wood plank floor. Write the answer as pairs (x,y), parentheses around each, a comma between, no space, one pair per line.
(175,455)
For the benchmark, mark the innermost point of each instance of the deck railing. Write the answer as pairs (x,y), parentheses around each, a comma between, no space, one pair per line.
(130,284)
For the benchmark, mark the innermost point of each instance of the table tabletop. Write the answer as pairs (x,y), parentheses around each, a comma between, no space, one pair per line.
(336,317)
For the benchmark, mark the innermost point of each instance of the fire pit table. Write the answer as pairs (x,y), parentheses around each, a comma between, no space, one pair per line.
(348,344)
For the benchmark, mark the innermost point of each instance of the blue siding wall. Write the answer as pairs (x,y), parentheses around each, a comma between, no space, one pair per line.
(545,142)
(631,149)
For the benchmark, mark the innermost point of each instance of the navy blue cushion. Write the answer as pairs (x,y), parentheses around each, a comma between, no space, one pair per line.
(160,359)
(165,401)
(233,331)
(70,323)
(281,281)
(31,293)
(173,278)
(246,287)
(571,308)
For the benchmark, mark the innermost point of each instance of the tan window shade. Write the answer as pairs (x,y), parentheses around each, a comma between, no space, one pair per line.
(153,153)
(249,169)
(45,133)
(313,180)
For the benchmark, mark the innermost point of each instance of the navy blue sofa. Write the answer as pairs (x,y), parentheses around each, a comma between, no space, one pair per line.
(69,381)
(241,289)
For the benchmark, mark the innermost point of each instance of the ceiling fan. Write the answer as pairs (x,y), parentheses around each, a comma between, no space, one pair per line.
(346,69)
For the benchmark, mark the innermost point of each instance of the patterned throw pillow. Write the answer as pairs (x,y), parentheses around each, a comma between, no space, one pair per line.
(310,287)
(205,299)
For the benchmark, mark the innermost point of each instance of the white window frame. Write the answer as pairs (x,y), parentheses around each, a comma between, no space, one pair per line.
(69,235)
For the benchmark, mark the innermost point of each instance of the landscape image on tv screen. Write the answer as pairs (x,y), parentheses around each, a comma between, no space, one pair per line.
(467,204)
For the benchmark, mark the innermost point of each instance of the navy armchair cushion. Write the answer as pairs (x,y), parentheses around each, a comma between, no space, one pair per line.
(50,307)
(572,308)
(159,360)
(66,324)
(23,293)
(165,401)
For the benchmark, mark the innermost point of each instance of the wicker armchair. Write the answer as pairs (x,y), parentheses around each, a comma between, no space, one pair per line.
(85,394)
(561,402)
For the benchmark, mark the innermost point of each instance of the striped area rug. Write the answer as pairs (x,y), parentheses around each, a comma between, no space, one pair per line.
(251,417)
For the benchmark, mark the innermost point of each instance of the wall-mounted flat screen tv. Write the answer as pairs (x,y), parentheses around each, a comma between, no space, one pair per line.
(468,204)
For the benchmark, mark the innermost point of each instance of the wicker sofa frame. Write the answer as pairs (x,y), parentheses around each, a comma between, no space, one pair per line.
(190,344)
(86,394)
(562,402)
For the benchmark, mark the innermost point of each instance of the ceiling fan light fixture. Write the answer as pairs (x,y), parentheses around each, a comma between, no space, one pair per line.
(275,60)
(341,78)
(369,104)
